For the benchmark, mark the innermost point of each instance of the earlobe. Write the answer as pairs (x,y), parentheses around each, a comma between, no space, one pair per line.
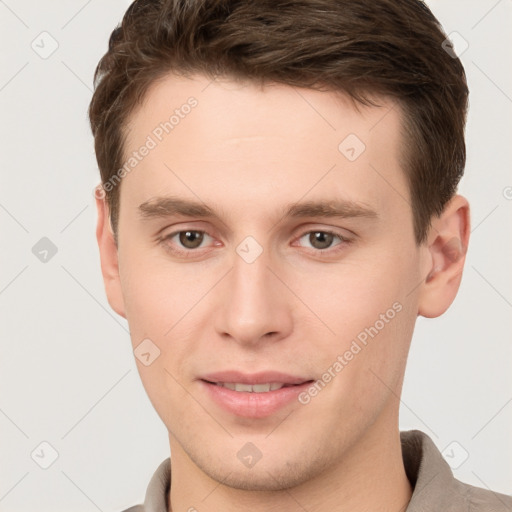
(109,258)
(445,253)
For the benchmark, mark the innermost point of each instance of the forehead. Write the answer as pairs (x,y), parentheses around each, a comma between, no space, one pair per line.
(255,107)
(209,137)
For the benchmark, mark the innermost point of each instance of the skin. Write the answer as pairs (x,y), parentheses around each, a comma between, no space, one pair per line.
(248,152)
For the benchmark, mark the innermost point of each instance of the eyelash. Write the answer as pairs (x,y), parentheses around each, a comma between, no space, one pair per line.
(191,253)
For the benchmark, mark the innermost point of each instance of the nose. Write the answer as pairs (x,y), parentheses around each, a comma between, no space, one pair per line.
(254,306)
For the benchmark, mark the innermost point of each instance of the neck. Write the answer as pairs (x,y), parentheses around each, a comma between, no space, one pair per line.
(370,477)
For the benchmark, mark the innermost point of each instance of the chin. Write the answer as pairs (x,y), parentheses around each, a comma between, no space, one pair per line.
(275,475)
(253,480)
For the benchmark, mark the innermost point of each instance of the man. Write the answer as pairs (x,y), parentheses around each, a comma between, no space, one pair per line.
(278,205)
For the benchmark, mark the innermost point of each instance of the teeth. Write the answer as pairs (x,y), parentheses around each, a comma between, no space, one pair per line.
(243,387)
(251,388)
(260,388)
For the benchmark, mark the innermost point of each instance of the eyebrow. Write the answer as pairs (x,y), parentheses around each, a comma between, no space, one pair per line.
(160,207)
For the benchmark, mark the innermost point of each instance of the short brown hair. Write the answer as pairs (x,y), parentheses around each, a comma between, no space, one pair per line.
(364,48)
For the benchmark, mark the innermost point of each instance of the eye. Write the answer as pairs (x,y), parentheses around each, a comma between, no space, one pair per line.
(322,240)
(188,239)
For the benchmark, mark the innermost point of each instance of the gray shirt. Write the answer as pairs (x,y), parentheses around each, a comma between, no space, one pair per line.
(434,487)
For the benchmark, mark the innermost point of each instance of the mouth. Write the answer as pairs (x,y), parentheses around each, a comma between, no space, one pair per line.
(253,395)
(253,388)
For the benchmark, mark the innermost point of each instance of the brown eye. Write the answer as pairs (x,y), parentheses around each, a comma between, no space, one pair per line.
(191,239)
(320,239)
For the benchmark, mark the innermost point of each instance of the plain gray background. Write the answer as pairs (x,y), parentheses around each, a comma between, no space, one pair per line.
(67,372)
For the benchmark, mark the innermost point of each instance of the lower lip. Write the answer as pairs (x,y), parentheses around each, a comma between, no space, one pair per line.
(253,405)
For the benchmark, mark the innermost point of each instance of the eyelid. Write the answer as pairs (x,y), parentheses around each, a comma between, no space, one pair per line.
(172,234)
(312,227)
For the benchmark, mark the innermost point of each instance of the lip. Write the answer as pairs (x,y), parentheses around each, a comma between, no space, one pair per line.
(253,405)
(253,378)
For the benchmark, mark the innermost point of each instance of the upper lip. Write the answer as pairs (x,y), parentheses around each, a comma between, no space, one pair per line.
(254,378)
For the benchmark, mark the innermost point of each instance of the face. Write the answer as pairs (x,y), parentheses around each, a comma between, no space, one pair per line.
(266,239)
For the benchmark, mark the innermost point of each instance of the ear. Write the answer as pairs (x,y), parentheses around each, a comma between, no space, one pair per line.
(445,255)
(108,256)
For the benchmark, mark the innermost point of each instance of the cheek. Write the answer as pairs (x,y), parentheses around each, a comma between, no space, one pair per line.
(160,306)
(166,304)
(157,295)
(367,318)
(348,298)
